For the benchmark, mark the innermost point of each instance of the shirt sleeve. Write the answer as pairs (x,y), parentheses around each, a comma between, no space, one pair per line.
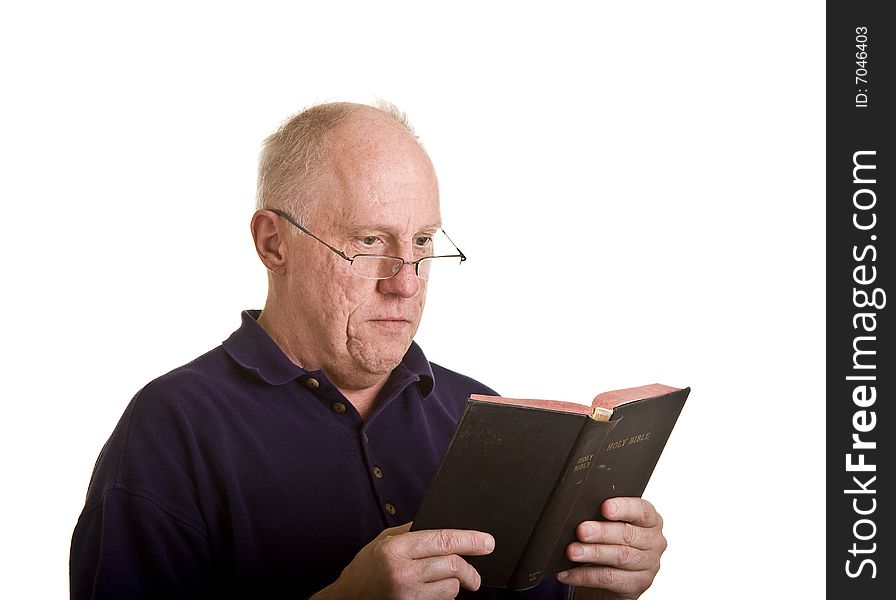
(128,546)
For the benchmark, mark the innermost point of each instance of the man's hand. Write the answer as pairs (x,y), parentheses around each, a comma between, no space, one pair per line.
(418,564)
(622,555)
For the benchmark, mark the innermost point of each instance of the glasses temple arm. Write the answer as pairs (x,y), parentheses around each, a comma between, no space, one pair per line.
(463,256)
(286,216)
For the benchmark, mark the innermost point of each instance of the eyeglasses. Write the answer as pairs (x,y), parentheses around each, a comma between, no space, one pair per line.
(376,266)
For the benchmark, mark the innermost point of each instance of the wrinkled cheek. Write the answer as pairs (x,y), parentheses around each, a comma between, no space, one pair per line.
(353,326)
(336,311)
(374,347)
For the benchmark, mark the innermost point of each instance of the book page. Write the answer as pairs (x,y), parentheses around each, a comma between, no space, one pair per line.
(557,405)
(618,397)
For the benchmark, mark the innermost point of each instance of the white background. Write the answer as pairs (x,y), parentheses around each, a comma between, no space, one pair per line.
(639,187)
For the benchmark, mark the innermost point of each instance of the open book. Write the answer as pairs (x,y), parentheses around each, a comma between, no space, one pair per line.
(529,471)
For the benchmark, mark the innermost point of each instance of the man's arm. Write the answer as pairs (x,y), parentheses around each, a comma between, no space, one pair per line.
(420,564)
(621,556)
(127,546)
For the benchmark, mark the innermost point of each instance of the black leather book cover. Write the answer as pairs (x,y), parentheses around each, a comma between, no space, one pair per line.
(524,474)
(623,464)
(497,475)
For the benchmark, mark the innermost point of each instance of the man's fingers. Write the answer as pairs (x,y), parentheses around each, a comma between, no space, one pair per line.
(637,511)
(442,542)
(450,567)
(432,559)
(447,589)
(623,557)
(393,531)
(623,534)
(634,522)
(608,578)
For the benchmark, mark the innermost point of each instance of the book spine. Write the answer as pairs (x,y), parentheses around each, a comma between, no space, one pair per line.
(543,542)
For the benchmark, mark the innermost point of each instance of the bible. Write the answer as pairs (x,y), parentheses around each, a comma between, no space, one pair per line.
(529,471)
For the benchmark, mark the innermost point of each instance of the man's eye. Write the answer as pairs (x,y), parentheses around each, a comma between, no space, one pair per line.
(423,240)
(369,240)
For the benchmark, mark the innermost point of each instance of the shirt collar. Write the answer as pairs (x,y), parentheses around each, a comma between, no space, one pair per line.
(416,362)
(254,350)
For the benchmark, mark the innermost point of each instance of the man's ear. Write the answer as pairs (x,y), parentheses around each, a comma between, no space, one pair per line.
(269,243)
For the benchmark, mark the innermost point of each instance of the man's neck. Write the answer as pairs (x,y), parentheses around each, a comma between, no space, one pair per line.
(363,398)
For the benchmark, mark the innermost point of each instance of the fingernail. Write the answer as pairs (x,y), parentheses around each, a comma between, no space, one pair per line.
(577,551)
(590,530)
(612,509)
(489,543)
(563,575)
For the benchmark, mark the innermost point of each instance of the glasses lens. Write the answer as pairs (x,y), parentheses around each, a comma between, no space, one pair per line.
(437,264)
(424,267)
(376,267)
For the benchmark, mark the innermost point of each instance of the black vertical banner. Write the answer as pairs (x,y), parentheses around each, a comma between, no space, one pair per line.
(861,368)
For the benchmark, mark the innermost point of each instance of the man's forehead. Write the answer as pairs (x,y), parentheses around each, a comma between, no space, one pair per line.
(380,179)
(353,210)
(354,213)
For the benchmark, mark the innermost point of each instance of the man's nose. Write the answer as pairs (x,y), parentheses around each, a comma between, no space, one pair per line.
(405,283)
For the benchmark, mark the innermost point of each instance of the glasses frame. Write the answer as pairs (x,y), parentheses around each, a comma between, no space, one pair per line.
(351,259)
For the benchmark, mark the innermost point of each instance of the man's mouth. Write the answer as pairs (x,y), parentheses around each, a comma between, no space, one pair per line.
(390,322)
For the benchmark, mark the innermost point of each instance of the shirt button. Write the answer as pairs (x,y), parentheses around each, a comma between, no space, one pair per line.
(378,472)
(338,407)
(390,508)
(312,383)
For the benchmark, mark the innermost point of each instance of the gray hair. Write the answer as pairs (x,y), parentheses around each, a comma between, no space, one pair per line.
(294,157)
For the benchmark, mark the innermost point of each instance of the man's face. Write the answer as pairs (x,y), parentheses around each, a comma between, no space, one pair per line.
(381,198)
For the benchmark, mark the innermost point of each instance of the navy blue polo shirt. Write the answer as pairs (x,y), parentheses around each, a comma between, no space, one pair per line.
(242,475)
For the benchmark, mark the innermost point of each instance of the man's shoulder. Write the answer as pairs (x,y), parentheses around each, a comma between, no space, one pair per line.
(184,393)
(204,374)
(169,422)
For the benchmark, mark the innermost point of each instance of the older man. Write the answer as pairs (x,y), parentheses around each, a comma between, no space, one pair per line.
(288,461)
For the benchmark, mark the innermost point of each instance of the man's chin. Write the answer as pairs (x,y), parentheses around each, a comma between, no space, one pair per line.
(381,359)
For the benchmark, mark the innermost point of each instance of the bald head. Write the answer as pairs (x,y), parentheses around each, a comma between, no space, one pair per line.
(297,158)
(364,186)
